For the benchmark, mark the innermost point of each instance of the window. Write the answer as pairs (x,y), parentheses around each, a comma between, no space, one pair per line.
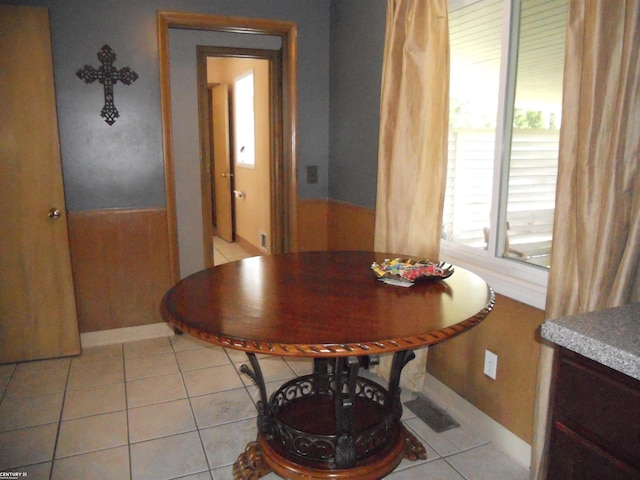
(507,62)
(244,120)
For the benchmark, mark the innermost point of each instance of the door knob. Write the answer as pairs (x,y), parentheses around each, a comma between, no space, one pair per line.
(225,175)
(54,214)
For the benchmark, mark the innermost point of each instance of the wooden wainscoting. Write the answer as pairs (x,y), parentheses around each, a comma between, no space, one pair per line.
(512,331)
(312,225)
(333,225)
(120,261)
(351,227)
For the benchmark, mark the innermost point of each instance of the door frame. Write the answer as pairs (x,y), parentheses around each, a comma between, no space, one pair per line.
(284,189)
(274,57)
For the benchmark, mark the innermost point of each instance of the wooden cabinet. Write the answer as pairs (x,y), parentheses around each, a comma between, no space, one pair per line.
(596,422)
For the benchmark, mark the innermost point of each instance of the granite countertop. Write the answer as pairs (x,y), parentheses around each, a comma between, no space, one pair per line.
(610,337)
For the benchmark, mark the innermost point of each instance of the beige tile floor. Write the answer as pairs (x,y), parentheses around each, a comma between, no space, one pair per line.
(174,408)
(224,252)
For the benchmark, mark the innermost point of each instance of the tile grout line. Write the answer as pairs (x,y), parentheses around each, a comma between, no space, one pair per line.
(126,408)
(445,458)
(6,387)
(193,413)
(55,444)
(161,402)
(67,388)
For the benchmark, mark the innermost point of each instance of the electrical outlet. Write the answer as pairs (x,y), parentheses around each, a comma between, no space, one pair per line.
(312,174)
(490,364)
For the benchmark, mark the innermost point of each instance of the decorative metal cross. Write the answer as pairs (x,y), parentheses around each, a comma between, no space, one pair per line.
(107,75)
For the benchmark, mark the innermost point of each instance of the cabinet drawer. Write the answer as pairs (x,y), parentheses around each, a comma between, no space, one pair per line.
(574,458)
(601,405)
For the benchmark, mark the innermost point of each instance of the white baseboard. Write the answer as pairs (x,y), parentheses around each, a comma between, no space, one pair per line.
(126,334)
(468,414)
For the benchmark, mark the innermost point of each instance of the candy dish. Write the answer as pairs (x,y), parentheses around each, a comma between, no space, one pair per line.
(405,272)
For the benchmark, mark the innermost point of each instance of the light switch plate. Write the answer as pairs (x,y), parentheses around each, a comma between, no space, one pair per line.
(312,174)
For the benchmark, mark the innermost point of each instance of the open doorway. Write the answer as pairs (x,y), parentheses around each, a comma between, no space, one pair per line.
(284,184)
(240,105)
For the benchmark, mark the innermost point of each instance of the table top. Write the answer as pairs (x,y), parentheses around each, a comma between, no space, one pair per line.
(322,304)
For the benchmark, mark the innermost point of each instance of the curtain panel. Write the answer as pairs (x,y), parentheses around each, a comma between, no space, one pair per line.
(596,238)
(412,158)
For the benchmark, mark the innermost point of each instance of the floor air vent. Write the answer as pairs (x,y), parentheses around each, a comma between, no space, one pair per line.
(431,414)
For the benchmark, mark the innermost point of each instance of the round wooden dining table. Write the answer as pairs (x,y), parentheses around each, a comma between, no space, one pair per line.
(329,306)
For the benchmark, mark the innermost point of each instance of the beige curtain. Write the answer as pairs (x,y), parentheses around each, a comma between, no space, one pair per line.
(596,240)
(412,158)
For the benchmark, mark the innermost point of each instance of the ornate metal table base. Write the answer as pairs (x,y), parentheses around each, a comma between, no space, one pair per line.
(330,424)
(250,464)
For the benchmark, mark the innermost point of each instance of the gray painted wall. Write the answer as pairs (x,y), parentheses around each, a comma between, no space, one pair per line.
(121,166)
(357,43)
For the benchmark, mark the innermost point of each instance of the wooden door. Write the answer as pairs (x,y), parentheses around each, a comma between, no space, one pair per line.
(37,304)
(222,174)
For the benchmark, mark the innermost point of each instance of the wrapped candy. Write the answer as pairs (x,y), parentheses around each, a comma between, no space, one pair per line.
(410,270)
